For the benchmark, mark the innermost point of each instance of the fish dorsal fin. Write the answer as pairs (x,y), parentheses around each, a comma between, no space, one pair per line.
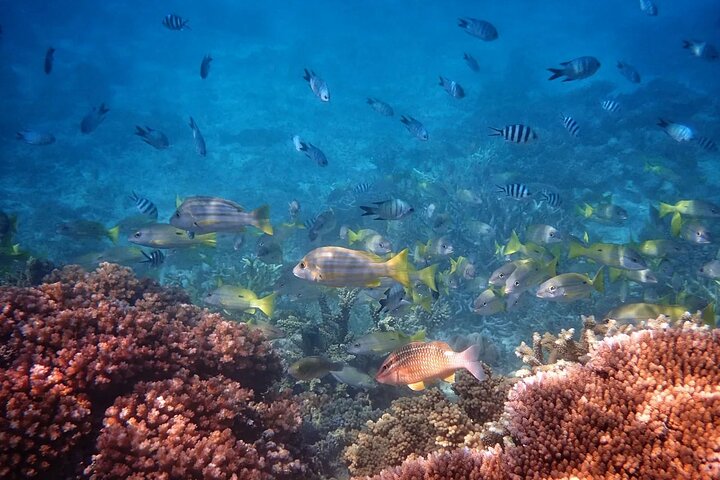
(416,387)
(450,378)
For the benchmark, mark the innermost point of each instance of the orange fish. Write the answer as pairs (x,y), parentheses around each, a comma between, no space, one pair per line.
(419,362)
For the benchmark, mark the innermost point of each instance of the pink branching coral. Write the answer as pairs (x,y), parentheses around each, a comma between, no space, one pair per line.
(70,347)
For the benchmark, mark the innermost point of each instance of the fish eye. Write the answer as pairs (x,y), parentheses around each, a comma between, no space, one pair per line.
(502,275)
(517,284)
(552,288)
(177,214)
(137,235)
(552,234)
(698,233)
(384,367)
(302,265)
(484,304)
(195,224)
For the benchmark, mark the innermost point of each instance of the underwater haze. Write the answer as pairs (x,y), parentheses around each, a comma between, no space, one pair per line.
(456,171)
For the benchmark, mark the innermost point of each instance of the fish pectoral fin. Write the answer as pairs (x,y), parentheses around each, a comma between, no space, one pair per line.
(416,387)
(251,311)
(373,284)
(451,378)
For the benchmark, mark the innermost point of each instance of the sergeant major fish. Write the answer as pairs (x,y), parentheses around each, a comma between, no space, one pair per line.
(676,131)
(393,209)
(452,87)
(471,62)
(175,22)
(93,119)
(155,259)
(414,127)
(311,151)
(570,125)
(145,206)
(516,133)
(576,69)
(321,224)
(481,29)
(317,85)
(381,107)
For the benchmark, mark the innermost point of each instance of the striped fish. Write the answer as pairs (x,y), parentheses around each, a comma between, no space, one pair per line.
(344,267)
(707,144)
(452,87)
(516,133)
(154,259)
(200,147)
(570,125)
(552,199)
(676,131)
(610,106)
(363,187)
(381,107)
(212,214)
(481,29)
(317,85)
(518,191)
(414,127)
(175,22)
(418,362)
(145,206)
(394,209)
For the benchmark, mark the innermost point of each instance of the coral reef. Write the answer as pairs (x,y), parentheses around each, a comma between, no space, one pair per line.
(70,347)
(482,401)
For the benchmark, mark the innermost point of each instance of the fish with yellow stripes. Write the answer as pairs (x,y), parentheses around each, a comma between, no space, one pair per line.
(344,267)
(419,362)
(212,214)
(690,208)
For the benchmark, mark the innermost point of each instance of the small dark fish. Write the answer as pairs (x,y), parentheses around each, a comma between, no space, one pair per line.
(551,198)
(452,87)
(269,250)
(31,137)
(516,133)
(199,140)
(701,49)
(362,187)
(312,152)
(308,368)
(155,259)
(570,125)
(576,69)
(628,71)
(152,137)
(317,85)
(175,22)
(414,127)
(145,206)
(518,191)
(707,144)
(393,209)
(381,107)
(393,299)
(481,29)
(648,7)
(205,66)
(93,119)
(49,60)
(471,62)
(320,225)
(610,106)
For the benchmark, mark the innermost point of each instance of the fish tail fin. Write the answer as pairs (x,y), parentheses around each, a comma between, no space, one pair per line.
(468,359)
(368,210)
(209,239)
(496,132)
(687,44)
(262,219)
(397,268)
(598,281)
(708,315)
(404,120)
(104,109)
(513,244)
(178,201)
(140,131)
(425,302)
(427,276)
(575,250)
(193,125)
(352,236)
(665,208)
(266,304)
(586,210)
(113,233)
(662,123)
(556,73)
(615,273)
(676,224)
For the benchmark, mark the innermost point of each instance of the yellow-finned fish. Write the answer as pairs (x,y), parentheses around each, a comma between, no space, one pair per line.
(418,362)
(610,254)
(530,250)
(371,240)
(501,274)
(659,248)
(690,208)
(603,212)
(163,235)
(344,267)
(568,287)
(637,276)
(635,312)
(528,275)
(695,231)
(440,247)
(489,302)
(88,229)
(231,297)
(308,368)
(383,342)
(541,234)
(202,214)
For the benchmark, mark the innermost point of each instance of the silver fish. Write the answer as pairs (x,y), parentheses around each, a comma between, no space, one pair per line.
(200,147)
(452,87)
(576,69)
(201,214)
(677,131)
(317,85)
(415,127)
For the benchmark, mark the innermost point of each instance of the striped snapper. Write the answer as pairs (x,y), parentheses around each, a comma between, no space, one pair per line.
(163,235)
(415,127)
(212,214)
(628,71)
(471,62)
(576,69)
(528,275)
(707,144)
(205,66)
(488,303)
(87,229)
(542,234)
(568,287)
(481,29)
(175,22)
(518,191)
(230,297)
(383,342)
(381,107)
(710,270)
(317,85)
(610,106)
(418,362)
(637,276)
(695,232)
(145,206)
(371,240)
(343,267)
(308,368)
(516,133)
(610,254)
(648,7)
(452,87)
(636,312)
(676,131)
(200,147)
(570,125)
(393,209)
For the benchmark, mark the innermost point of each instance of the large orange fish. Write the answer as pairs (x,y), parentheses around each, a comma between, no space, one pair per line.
(419,362)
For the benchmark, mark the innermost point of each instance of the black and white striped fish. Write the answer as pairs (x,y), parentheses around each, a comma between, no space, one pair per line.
(610,106)
(517,133)
(311,151)
(393,209)
(648,7)
(381,107)
(481,29)
(175,22)
(551,198)
(570,125)
(676,131)
(518,191)
(415,127)
(452,87)
(145,206)
(363,187)
(707,144)
(155,259)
